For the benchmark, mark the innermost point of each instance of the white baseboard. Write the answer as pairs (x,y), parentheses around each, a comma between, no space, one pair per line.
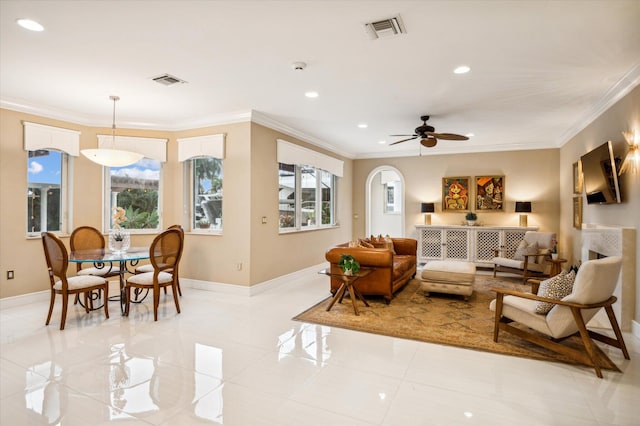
(635,329)
(254,289)
(25,299)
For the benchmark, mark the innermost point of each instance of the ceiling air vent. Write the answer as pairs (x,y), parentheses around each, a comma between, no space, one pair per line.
(385,28)
(167,79)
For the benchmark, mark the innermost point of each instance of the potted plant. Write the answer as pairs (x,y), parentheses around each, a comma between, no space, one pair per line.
(204,223)
(349,264)
(471,218)
(554,249)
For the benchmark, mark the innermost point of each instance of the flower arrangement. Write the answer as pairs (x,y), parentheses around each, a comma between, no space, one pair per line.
(204,223)
(554,246)
(119,216)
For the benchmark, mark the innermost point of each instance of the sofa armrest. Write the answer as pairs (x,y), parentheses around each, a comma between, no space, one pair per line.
(405,246)
(380,258)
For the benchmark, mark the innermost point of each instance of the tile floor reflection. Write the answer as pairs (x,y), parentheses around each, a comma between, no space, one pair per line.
(235,360)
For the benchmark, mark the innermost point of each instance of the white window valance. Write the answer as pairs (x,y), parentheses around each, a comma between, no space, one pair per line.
(39,136)
(155,149)
(201,146)
(289,153)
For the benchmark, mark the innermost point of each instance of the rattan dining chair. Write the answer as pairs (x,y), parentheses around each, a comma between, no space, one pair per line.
(149,267)
(165,253)
(57,263)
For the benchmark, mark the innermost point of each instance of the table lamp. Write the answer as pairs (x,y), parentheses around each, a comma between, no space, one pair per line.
(427,208)
(523,207)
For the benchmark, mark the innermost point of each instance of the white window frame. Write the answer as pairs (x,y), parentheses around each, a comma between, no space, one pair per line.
(213,146)
(298,226)
(67,142)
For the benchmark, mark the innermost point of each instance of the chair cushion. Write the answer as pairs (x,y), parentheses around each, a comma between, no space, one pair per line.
(80,281)
(147,278)
(525,248)
(518,264)
(554,288)
(100,272)
(523,311)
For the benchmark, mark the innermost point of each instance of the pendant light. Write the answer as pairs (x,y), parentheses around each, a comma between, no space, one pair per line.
(109,156)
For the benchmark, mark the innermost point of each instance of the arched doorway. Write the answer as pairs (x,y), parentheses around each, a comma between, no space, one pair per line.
(385,202)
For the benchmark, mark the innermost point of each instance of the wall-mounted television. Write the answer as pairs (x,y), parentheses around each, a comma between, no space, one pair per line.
(600,173)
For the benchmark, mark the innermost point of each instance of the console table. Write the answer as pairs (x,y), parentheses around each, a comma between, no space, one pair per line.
(467,243)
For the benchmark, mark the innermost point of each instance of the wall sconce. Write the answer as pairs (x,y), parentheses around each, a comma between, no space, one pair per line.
(523,207)
(632,160)
(427,208)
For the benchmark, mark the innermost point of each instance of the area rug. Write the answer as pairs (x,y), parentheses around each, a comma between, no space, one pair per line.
(440,318)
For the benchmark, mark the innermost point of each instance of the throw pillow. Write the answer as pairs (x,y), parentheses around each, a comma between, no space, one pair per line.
(362,243)
(557,287)
(389,243)
(525,248)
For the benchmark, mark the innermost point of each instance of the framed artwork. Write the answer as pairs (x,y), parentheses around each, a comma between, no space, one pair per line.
(577,212)
(455,194)
(490,193)
(577,177)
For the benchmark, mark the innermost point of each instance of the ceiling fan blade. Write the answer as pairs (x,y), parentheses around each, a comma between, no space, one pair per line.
(403,140)
(448,136)
(405,135)
(429,142)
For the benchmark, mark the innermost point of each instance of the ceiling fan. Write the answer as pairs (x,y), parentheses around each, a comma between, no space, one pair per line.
(428,137)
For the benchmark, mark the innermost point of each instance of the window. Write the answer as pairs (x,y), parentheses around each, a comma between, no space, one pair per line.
(202,157)
(207,176)
(136,189)
(46,198)
(306,195)
(49,169)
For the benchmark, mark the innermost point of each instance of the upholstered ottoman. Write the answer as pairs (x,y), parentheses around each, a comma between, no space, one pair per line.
(449,276)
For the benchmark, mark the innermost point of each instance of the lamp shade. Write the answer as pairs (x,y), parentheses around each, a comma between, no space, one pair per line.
(427,208)
(112,157)
(523,206)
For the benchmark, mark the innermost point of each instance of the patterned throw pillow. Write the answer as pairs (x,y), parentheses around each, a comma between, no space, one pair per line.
(557,288)
(525,248)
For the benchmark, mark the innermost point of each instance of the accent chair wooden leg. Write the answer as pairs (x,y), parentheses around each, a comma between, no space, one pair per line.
(496,324)
(586,339)
(616,330)
(495,269)
(53,299)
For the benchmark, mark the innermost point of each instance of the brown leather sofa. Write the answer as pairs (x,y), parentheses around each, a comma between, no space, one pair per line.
(392,271)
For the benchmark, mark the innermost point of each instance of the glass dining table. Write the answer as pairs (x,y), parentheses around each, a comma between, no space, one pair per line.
(106,259)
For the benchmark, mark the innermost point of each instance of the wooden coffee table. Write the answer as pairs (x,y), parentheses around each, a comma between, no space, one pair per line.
(347,285)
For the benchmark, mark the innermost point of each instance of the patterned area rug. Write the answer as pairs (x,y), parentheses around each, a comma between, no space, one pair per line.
(440,318)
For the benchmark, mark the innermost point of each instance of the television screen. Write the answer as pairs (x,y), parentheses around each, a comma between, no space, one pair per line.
(600,174)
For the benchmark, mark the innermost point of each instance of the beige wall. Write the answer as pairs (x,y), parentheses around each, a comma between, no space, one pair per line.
(250,182)
(623,116)
(529,176)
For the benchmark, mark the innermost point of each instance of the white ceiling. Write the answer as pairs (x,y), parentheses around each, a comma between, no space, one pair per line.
(541,70)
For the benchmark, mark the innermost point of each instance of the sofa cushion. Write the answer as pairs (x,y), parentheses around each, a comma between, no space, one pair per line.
(401,264)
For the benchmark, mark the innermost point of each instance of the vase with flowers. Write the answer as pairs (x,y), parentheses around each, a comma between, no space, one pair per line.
(119,236)
(554,249)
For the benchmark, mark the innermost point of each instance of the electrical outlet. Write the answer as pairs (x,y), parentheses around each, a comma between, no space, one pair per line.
(264,220)
(239,266)
(10,275)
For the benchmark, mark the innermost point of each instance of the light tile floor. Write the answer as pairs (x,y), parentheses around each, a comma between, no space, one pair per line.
(234,360)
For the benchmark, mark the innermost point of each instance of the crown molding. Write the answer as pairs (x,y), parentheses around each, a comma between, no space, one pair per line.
(264,120)
(619,90)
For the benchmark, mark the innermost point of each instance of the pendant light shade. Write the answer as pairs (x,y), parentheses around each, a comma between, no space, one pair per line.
(111,157)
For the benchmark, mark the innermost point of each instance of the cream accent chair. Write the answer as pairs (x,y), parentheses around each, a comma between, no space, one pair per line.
(532,265)
(592,290)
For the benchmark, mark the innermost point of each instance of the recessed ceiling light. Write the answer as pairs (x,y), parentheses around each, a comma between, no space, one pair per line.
(462,69)
(363,125)
(382,142)
(30,25)
(311,94)
(470,135)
